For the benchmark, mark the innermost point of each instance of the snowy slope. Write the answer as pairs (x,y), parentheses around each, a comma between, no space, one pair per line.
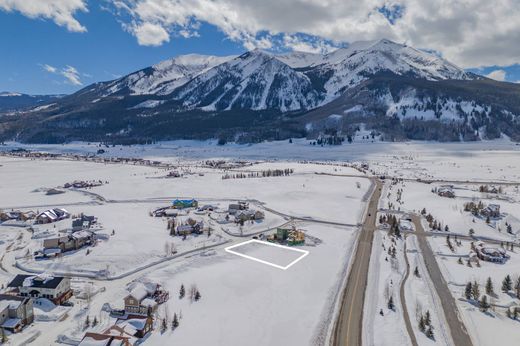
(164,77)
(349,66)
(255,80)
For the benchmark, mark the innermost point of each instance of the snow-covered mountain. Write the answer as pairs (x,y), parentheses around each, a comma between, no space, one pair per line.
(391,87)
(347,67)
(255,80)
(14,101)
(161,78)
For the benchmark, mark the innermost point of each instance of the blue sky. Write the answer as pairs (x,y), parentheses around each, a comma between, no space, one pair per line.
(60,46)
(104,52)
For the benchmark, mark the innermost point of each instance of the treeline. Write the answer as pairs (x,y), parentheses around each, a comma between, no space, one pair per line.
(261,174)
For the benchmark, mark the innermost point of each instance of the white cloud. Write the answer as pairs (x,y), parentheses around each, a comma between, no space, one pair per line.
(49,68)
(71,74)
(60,11)
(468,33)
(499,75)
(149,34)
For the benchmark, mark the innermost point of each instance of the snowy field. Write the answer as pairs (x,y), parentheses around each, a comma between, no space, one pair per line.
(485,328)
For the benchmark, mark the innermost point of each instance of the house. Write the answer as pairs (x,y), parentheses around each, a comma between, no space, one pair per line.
(73,241)
(138,326)
(248,214)
(55,288)
(446,191)
(185,203)
(236,207)
(83,222)
(144,299)
(52,215)
(490,254)
(492,210)
(290,235)
(16,215)
(191,226)
(15,312)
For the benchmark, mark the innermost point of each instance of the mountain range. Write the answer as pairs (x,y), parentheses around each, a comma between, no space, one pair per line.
(396,90)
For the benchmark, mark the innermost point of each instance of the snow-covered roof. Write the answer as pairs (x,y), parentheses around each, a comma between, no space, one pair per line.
(132,324)
(148,302)
(11,323)
(11,304)
(139,292)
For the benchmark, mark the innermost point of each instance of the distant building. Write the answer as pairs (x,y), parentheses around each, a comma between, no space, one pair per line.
(73,241)
(446,191)
(15,312)
(83,222)
(55,288)
(144,299)
(52,215)
(490,254)
(185,203)
(234,208)
(492,210)
(249,214)
(291,236)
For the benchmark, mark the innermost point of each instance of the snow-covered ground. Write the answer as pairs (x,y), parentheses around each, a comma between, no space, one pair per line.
(384,282)
(485,328)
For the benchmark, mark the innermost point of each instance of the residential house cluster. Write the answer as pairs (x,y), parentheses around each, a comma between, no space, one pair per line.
(16,215)
(289,236)
(492,211)
(446,191)
(191,226)
(72,241)
(489,254)
(242,213)
(52,215)
(81,184)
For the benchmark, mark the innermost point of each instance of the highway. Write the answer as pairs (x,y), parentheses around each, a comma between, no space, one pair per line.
(347,330)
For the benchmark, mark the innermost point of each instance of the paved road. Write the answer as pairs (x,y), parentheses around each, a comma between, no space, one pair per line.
(347,330)
(457,329)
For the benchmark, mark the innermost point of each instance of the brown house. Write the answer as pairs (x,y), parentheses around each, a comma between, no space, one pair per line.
(15,312)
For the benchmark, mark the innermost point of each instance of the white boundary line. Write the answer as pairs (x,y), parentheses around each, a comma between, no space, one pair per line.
(304,253)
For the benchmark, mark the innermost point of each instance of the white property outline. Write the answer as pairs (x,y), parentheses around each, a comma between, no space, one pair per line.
(304,252)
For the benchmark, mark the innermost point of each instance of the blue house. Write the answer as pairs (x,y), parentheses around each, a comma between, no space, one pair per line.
(185,203)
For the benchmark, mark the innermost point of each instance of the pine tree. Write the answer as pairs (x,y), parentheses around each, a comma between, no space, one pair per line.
(422,326)
(475,291)
(182,292)
(429,333)
(507,284)
(197,296)
(87,322)
(164,325)
(175,322)
(416,272)
(95,321)
(460,260)
(468,291)
(489,286)
(484,305)
(517,287)
(391,305)
(427,318)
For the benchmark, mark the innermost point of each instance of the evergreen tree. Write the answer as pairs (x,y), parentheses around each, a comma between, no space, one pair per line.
(416,272)
(197,296)
(507,284)
(429,333)
(475,290)
(391,305)
(87,322)
(427,318)
(175,322)
(164,325)
(422,326)
(489,286)
(460,260)
(517,287)
(95,321)
(468,290)
(484,305)
(182,292)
